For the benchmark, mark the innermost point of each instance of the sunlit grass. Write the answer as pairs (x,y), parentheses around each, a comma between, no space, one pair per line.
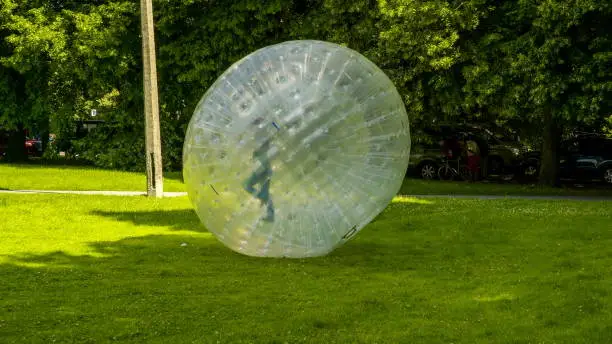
(413,200)
(493,298)
(435,187)
(93,269)
(41,177)
(38,225)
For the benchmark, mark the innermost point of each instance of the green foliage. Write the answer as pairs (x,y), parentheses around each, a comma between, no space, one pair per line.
(197,41)
(512,63)
(51,153)
(544,64)
(62,59)
(419,47)
(608,127)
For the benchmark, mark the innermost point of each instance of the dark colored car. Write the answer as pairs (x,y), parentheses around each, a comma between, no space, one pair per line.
(33,146)
(4,139)
(587,158)
(584,158)
(504,156)
(425,159)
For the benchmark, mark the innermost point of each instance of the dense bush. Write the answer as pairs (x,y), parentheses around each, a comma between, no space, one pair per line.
(540,67)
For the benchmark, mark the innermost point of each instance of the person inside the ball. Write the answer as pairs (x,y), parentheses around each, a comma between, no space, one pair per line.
(263,174)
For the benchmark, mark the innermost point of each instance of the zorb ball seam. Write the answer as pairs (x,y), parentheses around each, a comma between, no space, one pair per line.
(294,149)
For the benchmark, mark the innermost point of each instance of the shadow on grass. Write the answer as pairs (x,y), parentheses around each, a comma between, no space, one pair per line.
(441,273)
(414,186)
(141,253)
(180,287)
(178,220)
(187,287)
(186,219)
(176,175)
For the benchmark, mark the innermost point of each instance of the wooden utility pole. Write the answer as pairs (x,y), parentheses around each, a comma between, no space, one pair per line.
(155,182)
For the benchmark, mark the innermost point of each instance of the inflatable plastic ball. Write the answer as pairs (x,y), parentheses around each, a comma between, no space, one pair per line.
(294,149)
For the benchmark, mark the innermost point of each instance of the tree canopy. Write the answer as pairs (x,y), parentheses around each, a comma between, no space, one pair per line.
(529,64)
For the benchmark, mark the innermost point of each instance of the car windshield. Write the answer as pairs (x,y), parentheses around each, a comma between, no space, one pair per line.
(490,137)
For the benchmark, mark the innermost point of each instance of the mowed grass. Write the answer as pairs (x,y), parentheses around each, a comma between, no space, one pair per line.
(95,269)
(413,186)
(44,177)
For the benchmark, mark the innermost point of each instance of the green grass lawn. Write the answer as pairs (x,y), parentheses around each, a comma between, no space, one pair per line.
(42,177)
(96,269)
(436,187)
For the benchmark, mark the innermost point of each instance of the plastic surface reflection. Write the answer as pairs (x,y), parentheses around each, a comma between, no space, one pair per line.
(294,149)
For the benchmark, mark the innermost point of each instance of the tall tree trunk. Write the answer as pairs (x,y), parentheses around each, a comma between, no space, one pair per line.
(549,170)
(16,145)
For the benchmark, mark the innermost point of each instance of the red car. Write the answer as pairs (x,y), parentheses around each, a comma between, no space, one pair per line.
(33,146)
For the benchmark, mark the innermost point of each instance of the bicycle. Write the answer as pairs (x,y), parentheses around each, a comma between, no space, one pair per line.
(450,172)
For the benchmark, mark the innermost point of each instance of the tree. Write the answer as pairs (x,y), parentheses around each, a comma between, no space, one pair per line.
(23,99)
(197,41)
(543,64)
(420,47)
(62,58)
(607,128)
(531,64)
(83,56)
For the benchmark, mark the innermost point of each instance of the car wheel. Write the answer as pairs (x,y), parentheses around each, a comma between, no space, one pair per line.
(607,175)
(531,171)
(428,171)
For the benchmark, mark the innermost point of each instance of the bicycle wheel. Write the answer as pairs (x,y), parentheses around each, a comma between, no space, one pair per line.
(445,173)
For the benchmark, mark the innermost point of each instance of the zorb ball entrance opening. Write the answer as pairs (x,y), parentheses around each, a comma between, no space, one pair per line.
(294,149)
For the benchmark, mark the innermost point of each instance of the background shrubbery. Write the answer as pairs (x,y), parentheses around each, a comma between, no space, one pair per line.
(541,68)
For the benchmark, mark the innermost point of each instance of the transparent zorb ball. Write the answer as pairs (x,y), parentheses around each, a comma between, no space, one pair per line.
(295,148)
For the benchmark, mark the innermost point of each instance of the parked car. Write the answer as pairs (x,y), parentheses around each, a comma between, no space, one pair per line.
(530,165)
(425,159)
(3,143)
(583,158)
(504,157)
(33,146)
